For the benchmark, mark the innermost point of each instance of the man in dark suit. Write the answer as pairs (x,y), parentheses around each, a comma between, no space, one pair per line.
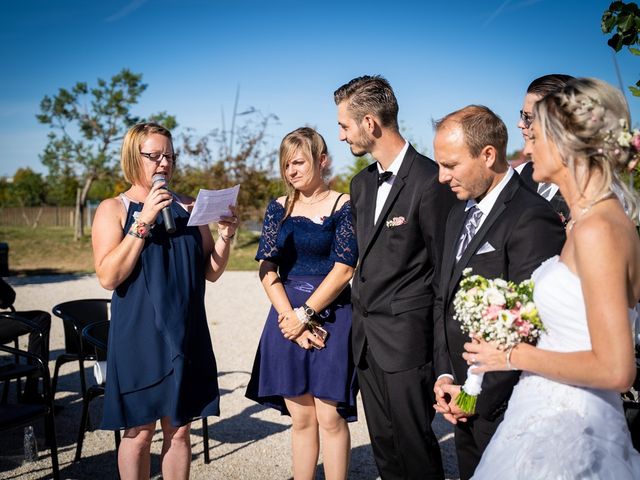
(502,229)
(538,89)
(399,211)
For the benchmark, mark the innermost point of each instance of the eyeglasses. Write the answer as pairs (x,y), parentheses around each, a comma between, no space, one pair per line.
(157,156)
(527,118)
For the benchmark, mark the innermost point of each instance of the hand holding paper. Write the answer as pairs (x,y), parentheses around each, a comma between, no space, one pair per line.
(212,205)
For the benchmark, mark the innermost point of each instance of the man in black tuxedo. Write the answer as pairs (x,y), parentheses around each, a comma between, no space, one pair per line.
(537,90)
(399,210)
(502,229)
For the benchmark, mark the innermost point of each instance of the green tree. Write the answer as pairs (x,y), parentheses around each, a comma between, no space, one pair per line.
(28,188)
(223,158)
(342,181)
(86,123)
(5,192)
(623,19)
(62,188)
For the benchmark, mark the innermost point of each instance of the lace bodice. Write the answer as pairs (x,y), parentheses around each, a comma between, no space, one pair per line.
(558,296)
(300,246)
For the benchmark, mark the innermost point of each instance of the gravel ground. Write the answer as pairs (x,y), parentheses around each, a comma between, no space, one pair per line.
(246,442)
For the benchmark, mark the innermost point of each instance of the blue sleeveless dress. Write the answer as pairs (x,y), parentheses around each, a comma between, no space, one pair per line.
(305,253)
(160,361)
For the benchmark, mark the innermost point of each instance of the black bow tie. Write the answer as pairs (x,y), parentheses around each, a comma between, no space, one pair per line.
(383,177)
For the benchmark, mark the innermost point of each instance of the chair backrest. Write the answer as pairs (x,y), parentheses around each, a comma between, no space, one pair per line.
(97,335)
(76,315)
(7,295)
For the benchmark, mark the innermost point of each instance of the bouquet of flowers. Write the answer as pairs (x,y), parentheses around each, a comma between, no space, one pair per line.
(496,311)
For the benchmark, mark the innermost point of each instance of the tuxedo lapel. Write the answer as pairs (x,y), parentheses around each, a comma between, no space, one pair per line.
(454,228)
(499,207)
(370,192)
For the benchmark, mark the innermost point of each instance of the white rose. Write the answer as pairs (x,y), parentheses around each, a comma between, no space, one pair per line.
(494,296)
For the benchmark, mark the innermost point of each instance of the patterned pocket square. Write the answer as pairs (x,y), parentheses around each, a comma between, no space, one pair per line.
(396,222)
(486,248)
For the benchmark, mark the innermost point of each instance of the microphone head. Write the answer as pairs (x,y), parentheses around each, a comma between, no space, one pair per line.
(158,177)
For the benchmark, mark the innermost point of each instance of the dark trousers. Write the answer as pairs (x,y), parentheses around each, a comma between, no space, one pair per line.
(399,411)
(472,438)
(38,344)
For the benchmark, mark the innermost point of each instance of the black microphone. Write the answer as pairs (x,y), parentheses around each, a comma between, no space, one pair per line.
(167,216)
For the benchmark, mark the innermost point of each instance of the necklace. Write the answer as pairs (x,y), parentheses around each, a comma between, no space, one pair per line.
(317,200)
(584,210)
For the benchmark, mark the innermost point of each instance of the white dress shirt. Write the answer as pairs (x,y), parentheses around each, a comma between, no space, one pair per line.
(486,204)
(385,187)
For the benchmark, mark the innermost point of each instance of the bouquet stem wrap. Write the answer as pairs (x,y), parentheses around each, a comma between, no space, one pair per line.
(470,391)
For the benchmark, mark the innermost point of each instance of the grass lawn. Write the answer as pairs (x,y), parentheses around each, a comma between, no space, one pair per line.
(52,250)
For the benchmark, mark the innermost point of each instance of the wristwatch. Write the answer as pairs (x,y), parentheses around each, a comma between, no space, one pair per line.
(309,312)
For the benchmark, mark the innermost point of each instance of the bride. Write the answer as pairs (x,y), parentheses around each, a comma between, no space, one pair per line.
(565,417)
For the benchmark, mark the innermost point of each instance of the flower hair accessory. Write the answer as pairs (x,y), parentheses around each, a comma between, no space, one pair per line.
(625,139)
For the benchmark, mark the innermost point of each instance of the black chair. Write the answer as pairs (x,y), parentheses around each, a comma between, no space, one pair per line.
(97,335)
(12,326)
(35,323)
(76,315)
(16,415)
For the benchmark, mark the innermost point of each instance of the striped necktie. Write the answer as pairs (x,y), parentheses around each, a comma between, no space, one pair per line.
(544,189)
(469,230)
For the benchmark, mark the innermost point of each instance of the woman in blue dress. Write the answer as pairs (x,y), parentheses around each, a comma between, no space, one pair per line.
(307,256)
(160,363)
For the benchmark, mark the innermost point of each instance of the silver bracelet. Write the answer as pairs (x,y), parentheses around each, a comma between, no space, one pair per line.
(509,350)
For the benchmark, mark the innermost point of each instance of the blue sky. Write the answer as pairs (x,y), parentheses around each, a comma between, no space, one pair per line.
(288,58)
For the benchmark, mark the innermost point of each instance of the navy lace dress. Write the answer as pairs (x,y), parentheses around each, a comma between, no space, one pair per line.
(305,253)
(160,361)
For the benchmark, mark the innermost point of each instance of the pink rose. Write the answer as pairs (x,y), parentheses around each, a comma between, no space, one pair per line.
(635,141)
(492,312)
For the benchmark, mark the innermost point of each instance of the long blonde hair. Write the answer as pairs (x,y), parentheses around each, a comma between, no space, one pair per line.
(311,145)
(586,121)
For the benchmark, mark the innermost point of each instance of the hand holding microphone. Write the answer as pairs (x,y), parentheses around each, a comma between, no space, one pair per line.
(167,215)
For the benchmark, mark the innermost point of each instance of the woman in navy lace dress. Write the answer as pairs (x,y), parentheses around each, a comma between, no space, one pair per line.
(307,255)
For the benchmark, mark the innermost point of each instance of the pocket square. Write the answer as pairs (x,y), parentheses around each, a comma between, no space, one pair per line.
(486,248)
(396,222)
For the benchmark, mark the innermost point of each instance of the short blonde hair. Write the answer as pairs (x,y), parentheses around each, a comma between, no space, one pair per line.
(311,145)
(130,158)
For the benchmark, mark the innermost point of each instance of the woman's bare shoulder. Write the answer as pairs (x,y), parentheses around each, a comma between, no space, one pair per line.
(342,199)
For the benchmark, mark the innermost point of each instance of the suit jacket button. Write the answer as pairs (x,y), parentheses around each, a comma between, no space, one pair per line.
(365,313)
(363,279)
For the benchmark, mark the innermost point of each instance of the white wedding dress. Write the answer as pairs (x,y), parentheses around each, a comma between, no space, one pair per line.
(556,431)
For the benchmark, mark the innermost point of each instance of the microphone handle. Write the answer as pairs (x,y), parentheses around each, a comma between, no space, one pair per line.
(169,223)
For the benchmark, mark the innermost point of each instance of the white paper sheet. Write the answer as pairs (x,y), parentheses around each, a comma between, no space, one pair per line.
(212,204)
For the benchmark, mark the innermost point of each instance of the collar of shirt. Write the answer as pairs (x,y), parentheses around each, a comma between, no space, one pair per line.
(520,167)
(385,188)
(396,164)
(486,204)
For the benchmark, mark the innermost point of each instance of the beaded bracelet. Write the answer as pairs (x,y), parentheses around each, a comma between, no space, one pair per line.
(302,316)
(139,229)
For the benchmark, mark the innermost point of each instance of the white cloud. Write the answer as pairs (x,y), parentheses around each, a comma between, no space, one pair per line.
(126,10)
